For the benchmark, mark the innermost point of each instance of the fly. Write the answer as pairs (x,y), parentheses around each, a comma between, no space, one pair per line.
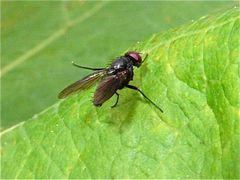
(111,79)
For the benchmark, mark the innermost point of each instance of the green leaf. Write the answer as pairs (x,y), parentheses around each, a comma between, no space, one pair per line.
(40,39)
(191,72)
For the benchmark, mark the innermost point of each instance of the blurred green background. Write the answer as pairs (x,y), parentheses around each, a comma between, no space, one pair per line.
(40,39)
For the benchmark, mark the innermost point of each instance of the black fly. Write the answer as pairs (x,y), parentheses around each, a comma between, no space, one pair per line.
(112,78)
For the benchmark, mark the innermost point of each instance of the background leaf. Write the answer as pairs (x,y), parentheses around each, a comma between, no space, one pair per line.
(40,39)
(192,72)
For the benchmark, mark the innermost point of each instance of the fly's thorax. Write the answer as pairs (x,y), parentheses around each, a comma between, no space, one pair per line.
(121,63)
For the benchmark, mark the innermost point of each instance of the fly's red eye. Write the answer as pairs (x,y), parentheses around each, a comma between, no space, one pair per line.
(135,56)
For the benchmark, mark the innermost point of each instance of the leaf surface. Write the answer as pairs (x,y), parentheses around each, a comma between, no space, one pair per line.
(192,72)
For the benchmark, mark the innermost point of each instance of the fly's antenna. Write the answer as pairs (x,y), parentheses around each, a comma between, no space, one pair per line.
(89,68)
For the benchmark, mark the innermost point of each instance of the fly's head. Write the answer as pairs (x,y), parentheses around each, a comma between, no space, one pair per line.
(135,57)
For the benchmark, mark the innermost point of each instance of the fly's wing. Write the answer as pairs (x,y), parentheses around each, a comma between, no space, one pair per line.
(108,86)
(82,84)
(106,89)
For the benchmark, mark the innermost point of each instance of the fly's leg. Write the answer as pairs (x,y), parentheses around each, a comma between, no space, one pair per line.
(145,58)
(136,89)
(116,101)
(83,67)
